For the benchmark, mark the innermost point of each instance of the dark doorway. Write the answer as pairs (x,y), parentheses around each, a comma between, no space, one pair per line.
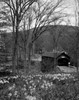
(63,59)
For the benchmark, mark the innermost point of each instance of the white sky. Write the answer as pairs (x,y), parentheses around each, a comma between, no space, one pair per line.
(70,10)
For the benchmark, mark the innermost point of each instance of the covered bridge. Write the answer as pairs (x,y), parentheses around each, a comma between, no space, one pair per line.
(49,59)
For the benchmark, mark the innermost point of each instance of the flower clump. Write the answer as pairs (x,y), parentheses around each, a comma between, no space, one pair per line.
(32,87)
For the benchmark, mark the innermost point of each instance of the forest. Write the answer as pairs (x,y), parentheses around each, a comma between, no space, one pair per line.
(32,39)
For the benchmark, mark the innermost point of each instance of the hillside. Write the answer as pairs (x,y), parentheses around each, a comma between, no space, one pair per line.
(55,37)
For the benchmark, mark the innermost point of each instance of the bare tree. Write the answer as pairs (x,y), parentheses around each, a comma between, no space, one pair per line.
(37,17)
(40,15)
(17,9)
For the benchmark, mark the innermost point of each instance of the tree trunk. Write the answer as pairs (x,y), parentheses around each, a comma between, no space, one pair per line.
(29,55)
(26,68)
(55,47)
(14,58)
(27,59)
(77,62)
(77,53)
(15,44)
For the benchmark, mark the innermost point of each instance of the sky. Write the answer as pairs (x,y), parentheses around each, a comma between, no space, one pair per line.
(71,8)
